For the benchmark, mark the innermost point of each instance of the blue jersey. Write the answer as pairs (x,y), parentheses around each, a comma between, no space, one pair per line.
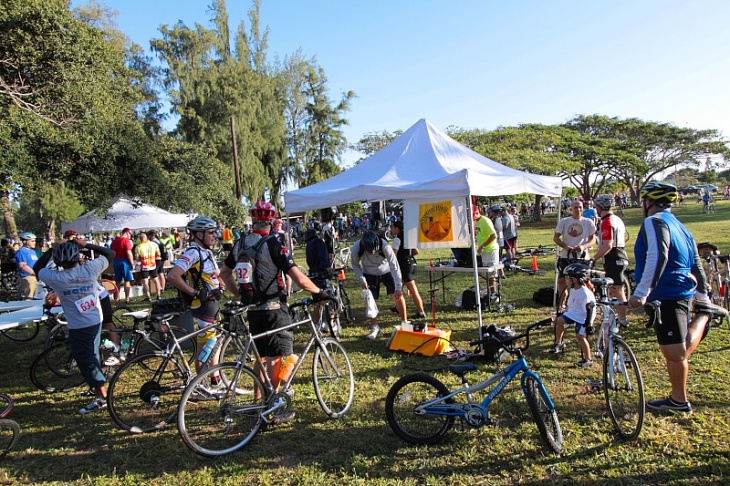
(668,266)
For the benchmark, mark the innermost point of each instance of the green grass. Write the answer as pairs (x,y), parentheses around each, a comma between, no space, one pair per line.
(59,446)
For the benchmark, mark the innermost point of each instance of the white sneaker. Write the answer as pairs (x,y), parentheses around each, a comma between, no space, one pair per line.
(111,361)
(374,333)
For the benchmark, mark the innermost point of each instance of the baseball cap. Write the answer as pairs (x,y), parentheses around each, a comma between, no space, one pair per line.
(127,230)
(69,233)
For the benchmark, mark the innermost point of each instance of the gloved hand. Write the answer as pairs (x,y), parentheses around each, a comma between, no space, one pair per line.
(326,294)
(201,295)
(216,294)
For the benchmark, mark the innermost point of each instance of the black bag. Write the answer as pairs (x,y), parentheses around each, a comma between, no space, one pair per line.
(544,296)
(469,299)
(493,351)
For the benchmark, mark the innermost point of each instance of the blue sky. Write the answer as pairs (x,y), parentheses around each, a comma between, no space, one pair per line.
(485,64)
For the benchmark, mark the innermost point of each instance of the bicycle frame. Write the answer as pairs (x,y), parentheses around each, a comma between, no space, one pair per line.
(506,375)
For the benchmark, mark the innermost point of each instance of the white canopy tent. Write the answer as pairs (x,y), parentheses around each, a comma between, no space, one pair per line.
(423,163)
(125,213)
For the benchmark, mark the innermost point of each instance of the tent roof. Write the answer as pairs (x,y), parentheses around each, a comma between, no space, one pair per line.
(124,213)
(423,163)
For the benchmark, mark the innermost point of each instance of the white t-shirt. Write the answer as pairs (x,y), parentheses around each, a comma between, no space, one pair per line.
(575,232)
(78,290)
(577,301)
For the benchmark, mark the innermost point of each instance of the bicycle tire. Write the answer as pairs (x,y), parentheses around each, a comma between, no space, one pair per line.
(346,306)
(159,341)
(213,422)
(400,405)
(546,419)
(12,433)
(24,332)
(332,319)
(57,334)
(726,301)
(143,394)
(334,383)
(8,402)
(55,370)
(624,398)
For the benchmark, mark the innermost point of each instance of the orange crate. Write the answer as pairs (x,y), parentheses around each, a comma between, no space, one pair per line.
(436,341)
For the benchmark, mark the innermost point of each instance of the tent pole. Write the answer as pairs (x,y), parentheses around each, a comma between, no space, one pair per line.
(477,293)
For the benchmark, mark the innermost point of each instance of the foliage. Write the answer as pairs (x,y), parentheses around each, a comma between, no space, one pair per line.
(43,207)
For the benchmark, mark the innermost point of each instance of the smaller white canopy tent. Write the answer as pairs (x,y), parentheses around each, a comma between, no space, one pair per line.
(124,213)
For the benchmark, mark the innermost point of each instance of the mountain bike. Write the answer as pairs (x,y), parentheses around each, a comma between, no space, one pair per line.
(9,429)
(143,394)
(215,420)
(622,383)
(421,410)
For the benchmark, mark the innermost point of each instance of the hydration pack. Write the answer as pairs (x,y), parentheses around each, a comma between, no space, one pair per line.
(246,275)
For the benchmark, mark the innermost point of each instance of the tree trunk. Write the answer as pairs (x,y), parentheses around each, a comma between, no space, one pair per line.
(538,210)
(11,231)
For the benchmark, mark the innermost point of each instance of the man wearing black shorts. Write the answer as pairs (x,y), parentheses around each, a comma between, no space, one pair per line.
(613,251)
(374,262)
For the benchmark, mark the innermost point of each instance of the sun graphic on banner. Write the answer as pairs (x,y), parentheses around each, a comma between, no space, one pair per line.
(434,222)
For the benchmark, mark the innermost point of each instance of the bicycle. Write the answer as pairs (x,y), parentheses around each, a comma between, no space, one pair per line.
(342,258)
(719,285)
(421,410)
(56,370)
(142,395)
(9,429)
(215,421)
(622,383)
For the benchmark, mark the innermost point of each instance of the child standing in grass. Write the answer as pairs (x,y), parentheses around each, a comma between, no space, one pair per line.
(577,312)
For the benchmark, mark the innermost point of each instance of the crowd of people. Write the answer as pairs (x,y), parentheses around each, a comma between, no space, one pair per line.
(258,268)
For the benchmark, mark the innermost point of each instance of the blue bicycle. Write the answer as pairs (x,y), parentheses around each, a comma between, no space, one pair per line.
(421,410)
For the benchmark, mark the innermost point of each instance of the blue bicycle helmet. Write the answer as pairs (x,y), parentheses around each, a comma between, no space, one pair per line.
(370,242)
(66,255)
(26,236)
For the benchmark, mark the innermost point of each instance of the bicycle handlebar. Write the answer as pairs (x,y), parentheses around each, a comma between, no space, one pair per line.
(504,343)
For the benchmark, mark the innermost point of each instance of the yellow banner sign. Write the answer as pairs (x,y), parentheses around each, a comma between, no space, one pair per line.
(434,222)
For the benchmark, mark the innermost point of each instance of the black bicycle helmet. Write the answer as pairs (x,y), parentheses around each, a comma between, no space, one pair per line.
(66,255)
(604,201)
(370,242)
(661,194)
(577,270)
(201,223)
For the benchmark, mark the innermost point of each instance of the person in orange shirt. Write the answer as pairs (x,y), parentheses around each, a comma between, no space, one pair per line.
(147,253)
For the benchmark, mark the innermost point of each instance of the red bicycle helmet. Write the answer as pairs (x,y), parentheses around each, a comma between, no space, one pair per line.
(263,211)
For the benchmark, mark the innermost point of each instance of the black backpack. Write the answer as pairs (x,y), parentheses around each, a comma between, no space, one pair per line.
(246,275)
(544,296)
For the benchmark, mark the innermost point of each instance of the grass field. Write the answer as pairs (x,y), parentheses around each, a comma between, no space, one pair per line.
(58,446)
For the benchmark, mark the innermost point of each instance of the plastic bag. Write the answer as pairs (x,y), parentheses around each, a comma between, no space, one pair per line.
(371,308)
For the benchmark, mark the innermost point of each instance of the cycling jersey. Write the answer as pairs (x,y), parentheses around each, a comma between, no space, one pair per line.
(613,228)
(668,266)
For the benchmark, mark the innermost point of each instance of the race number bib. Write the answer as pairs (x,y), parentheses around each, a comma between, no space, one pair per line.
(243,272)
(86,304)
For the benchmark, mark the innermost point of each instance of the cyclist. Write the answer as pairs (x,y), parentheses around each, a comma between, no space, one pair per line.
(77,287)
(576,313)
(374,262)
(613,251)
(669,269)
(574,235)
(25,259)
(195,275)
(268,310)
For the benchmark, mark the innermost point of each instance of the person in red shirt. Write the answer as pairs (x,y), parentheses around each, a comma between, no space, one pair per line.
(124,262)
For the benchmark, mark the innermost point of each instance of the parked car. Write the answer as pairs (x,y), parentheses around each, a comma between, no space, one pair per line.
(701,188)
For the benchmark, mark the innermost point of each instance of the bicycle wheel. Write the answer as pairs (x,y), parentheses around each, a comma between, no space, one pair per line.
(55,370)
(334,383)
(332,319)
(346,307)
(9,435)
(57,334)
(24,332)
(400,409)
(726,300)
(545,417)
(143,394)
(624,389)
(215,420)
(159,341)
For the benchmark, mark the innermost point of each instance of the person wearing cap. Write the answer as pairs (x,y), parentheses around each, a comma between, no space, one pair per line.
(25,258)
(124,262)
